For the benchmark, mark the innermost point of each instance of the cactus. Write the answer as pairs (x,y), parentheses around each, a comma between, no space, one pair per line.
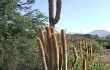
(91,52)
(84,65)
(75,56)
(55,20)
(54,56)
(64,46)
(42,54)
(91,55)
(49,48)
(61,58)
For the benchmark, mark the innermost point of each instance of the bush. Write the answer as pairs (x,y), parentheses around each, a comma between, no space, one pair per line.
(95,45)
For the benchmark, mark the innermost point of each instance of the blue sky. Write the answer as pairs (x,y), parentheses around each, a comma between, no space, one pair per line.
(80,15)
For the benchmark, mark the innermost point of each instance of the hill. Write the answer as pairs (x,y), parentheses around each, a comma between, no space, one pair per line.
(101,33)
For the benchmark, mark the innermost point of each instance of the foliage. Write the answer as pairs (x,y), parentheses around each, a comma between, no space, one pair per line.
(96,46)
(96,63)
(18,28)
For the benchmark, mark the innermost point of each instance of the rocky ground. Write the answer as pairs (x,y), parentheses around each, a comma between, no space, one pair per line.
(105,54)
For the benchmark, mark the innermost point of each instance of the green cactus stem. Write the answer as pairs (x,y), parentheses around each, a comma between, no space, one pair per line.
(55,20)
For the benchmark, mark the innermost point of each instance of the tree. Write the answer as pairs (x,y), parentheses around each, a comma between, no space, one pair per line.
(18,27)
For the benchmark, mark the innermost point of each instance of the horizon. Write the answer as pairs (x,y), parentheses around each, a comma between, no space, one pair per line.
(89,32)
(80,16)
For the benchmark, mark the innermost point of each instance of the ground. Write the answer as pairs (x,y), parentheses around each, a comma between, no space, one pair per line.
(105,54)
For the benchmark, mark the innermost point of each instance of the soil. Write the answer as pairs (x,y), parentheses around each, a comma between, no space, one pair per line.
(105,54)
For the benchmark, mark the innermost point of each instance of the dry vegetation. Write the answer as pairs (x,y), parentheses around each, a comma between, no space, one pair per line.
(62,55)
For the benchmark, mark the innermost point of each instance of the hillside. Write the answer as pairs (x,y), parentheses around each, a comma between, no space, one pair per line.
(101,33)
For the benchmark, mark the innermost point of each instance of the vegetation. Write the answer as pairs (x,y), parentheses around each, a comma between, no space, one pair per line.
(53,54)
(19,24)
(18,28)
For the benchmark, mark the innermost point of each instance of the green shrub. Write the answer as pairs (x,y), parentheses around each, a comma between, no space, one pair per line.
(95,45)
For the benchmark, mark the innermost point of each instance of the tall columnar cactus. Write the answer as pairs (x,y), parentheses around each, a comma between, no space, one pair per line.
(61,58)
(86,51)
(54,20)
(84,65)
(91,55)
(75,57)
(64,46)
(53,56)
(42,54)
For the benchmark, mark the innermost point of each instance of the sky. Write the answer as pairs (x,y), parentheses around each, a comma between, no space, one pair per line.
(80,16)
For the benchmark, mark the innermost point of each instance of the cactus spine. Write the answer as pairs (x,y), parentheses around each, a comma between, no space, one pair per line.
(53,20)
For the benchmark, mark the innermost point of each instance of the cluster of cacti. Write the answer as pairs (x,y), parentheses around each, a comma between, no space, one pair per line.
(86,50)
(54,57)
(53,20)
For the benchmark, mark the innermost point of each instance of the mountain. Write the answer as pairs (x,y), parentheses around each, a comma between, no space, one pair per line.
(101,33)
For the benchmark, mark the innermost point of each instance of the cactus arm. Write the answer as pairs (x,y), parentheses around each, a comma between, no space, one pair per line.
(84,65)
(55,20)
(42,53)
(75,56)
(64,47)
(41,34)
(55,45)
(60,58)
(52,29)
(51,12)
(49,48)
(58,11)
